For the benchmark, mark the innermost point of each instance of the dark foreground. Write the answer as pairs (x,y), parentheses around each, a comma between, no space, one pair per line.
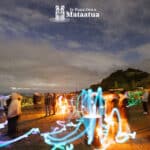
(34,118)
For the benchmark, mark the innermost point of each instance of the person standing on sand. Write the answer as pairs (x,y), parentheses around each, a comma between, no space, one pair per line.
(47,101)
(145,102)
(53,104)
(14,112)
(122,103)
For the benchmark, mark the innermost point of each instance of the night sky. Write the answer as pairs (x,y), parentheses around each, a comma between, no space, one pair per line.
(36,53)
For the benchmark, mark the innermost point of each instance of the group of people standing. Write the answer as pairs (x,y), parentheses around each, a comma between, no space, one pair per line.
(50,104)
(13,108)
(13,111)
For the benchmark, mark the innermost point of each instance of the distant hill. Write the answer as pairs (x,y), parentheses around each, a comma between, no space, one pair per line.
(128,79)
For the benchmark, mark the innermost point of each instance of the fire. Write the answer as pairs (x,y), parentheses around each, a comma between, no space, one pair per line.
(62,105)
(99,131)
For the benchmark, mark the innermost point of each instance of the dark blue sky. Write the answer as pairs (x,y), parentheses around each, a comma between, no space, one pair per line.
(36,52)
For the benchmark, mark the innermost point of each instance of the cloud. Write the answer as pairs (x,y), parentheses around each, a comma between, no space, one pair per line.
(19,20)
(39,65)
(142,62)
(144,51)
(138,57)
(70,55)
(26,63)
(73,44)
(123,23)
(121,20)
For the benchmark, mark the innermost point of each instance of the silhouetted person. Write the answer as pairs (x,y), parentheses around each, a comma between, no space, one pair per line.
(48,99)
(145,102)
(14,112)
(7,103)
(123,99)
(53,103)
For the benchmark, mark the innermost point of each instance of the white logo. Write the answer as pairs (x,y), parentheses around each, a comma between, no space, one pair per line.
(59,14)
(62,15)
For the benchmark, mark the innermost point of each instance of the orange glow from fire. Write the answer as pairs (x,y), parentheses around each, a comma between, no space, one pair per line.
(62,105)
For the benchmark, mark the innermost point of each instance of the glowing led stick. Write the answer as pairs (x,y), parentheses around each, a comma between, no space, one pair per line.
(32,131)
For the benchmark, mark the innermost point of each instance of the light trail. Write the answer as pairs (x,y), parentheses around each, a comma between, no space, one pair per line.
(2,125)
(92,106)
(8,142)
(93,120)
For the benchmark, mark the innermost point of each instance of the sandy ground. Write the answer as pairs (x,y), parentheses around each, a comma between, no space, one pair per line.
(35,118)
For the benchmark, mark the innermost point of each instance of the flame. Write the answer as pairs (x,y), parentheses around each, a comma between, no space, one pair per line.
(62,105)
